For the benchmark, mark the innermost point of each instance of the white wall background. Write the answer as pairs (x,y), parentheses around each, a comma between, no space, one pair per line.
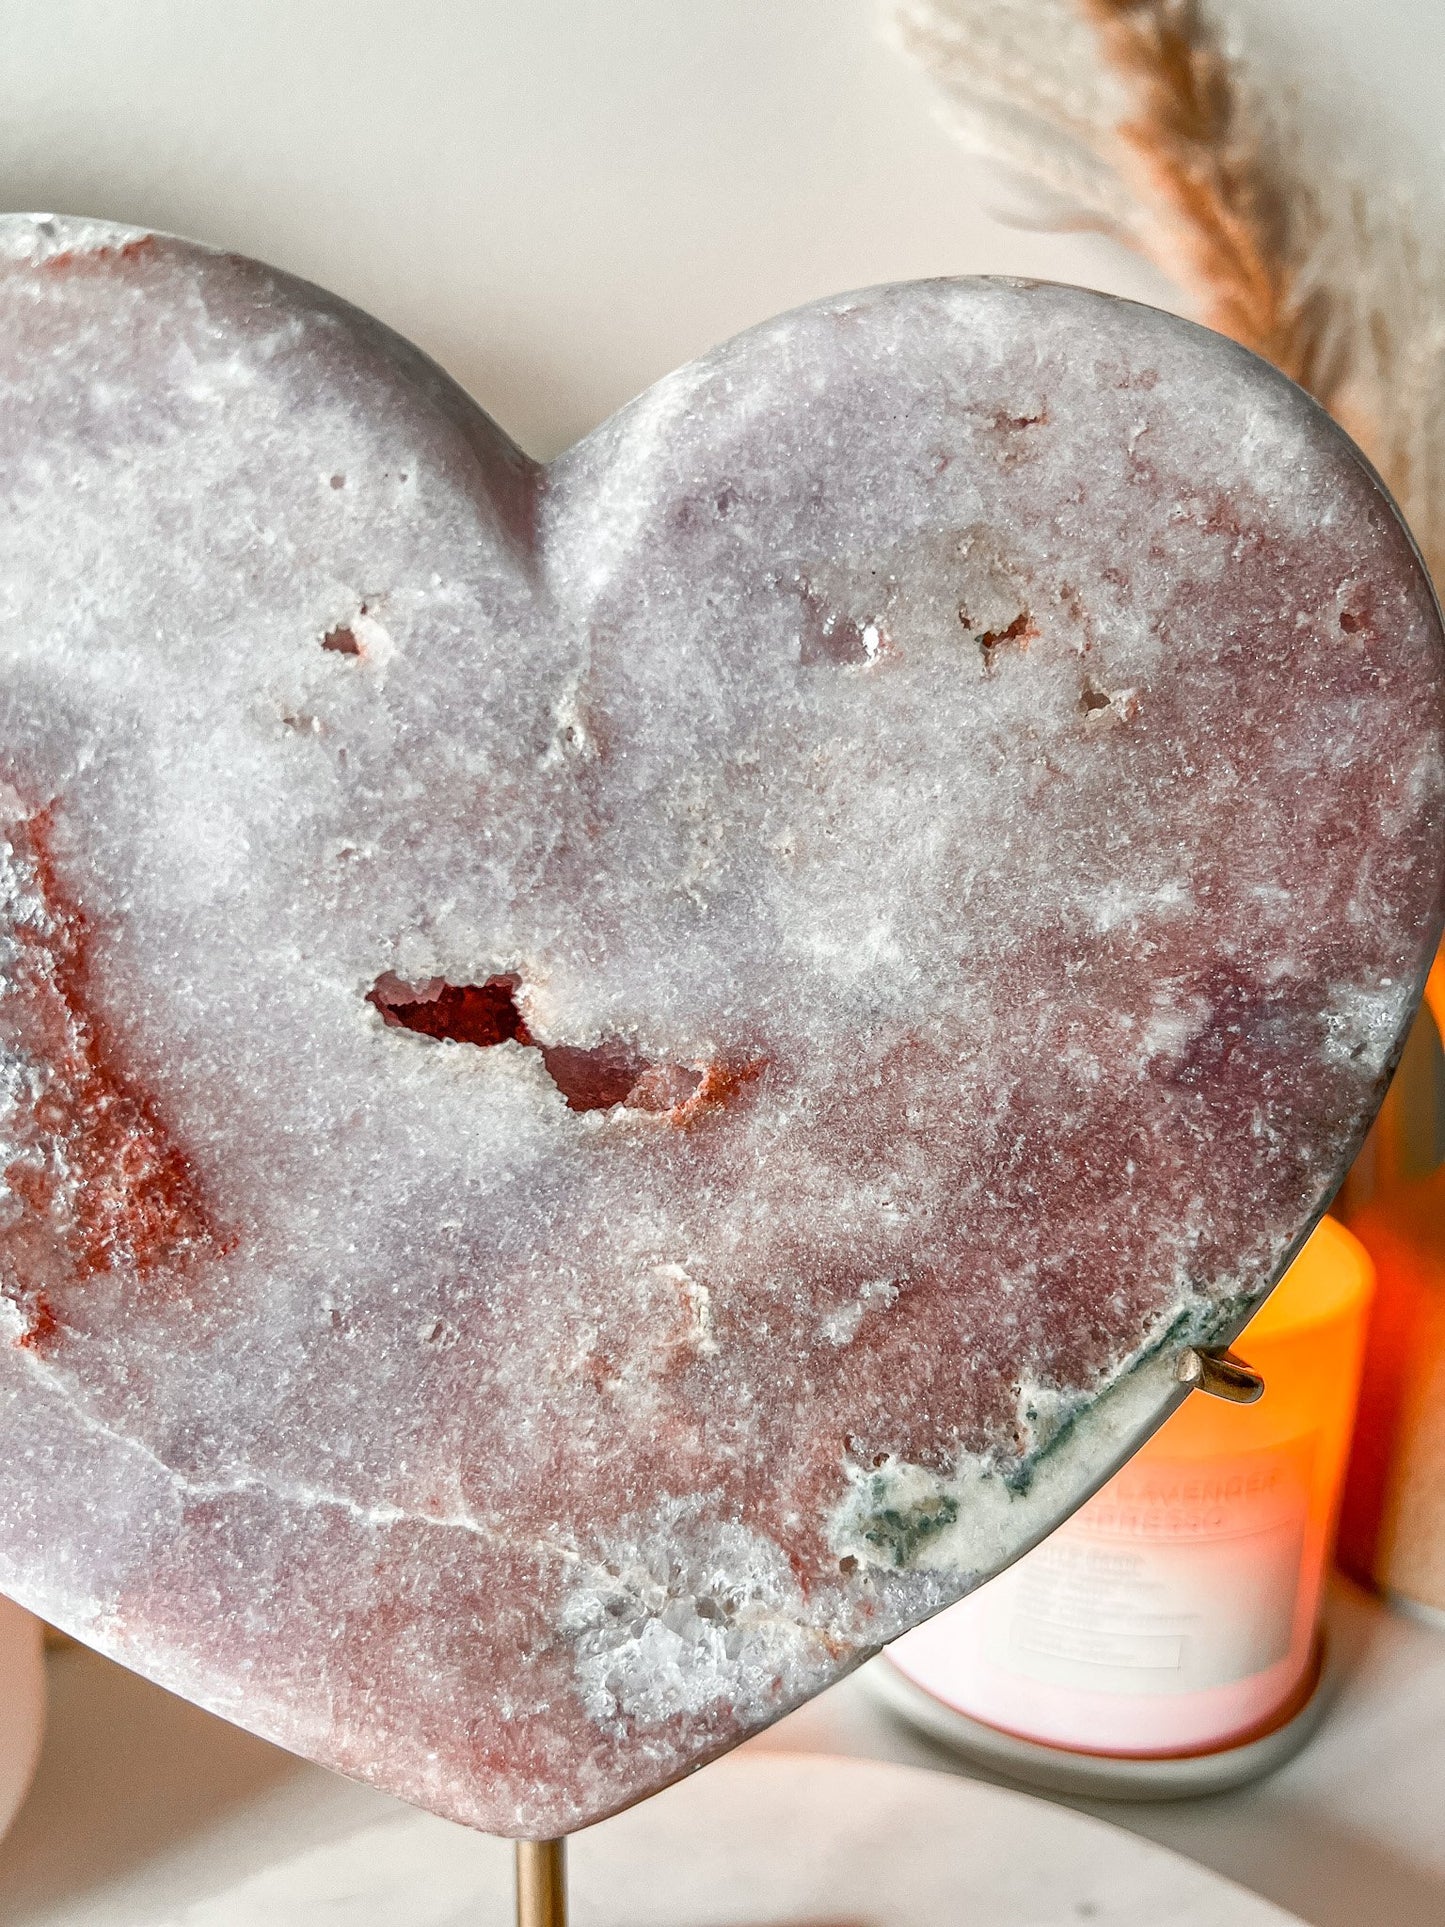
(561,199)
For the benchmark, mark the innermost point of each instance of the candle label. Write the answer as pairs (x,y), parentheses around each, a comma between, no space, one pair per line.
(1180,1575)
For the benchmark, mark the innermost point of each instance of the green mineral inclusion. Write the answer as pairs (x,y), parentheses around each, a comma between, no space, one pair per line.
(902,1532)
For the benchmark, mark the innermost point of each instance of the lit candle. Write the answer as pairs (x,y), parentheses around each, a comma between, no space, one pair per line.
(1393,1529)
(1176,1612)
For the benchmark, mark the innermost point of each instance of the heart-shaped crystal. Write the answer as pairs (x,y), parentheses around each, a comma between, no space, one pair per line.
(617,1080)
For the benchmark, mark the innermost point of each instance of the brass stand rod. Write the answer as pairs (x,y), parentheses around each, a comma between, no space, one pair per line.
(541,1883)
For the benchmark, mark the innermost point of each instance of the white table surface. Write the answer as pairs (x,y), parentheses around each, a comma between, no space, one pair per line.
(562,200)
(142,1803)
(769,1840)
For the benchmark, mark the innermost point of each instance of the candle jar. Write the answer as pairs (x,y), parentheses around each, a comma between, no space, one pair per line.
(1176,1613)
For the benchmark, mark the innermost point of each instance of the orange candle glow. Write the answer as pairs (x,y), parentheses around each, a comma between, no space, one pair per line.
(1393,1530)
(1176,1613)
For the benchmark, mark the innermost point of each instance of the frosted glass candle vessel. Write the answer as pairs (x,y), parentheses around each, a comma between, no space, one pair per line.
(1176,1612)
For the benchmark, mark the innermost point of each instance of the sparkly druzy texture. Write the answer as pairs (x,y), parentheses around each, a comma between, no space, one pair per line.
(617,1080)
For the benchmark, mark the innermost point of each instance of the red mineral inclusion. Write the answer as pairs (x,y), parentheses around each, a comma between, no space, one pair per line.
(591,1077)
(95,260)
(100,1184)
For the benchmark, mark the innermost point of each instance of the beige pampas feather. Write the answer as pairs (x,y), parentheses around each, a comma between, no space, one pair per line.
(1134,117)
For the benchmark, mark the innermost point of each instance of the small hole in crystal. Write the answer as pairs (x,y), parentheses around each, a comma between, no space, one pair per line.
(1349,622)
(595,1077)
(848,1563)
(481,1014)
(827,636)
(1021,629)
(338,481)
(341,641)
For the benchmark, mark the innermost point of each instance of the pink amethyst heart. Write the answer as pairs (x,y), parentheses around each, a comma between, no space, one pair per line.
(618,1080)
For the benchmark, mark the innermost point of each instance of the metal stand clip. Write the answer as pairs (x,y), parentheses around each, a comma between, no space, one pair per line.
(1221,1374)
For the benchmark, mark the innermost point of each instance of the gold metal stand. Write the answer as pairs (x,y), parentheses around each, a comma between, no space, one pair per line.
(1221,1374)
(541,1883)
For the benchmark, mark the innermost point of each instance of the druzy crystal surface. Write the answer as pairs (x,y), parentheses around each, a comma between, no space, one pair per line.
(617,1080)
